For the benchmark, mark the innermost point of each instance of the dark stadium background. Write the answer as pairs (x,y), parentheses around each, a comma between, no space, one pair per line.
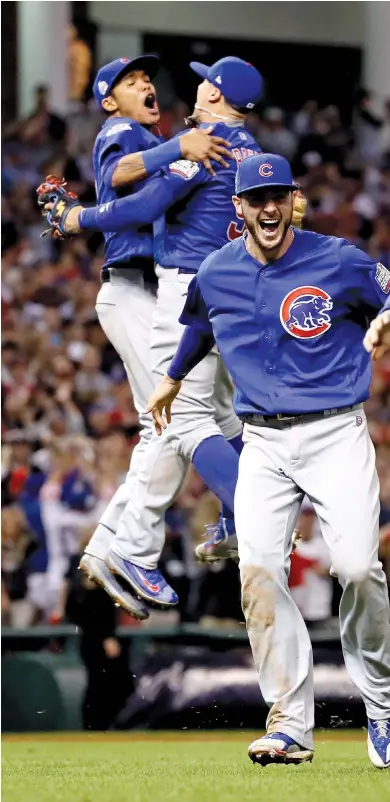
(66,647)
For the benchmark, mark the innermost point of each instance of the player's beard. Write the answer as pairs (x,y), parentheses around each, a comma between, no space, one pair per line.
(264,243)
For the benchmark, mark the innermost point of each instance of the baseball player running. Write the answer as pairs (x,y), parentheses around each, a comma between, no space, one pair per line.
(287,310)
(126,150)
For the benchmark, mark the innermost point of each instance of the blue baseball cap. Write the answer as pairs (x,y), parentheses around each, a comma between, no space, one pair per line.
(111,73)
(240,82)
(264,170)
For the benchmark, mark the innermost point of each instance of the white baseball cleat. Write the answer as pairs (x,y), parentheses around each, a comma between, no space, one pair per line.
(278,748)
(378,742)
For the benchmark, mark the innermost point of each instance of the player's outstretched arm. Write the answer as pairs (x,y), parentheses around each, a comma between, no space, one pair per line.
(141,208)
(193,347)
(138,209)
(197,145)
(377,339)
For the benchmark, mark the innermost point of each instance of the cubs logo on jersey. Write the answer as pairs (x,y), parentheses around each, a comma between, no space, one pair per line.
(304,312)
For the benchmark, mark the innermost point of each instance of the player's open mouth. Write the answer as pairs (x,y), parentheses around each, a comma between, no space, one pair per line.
(269,226)
(151,102)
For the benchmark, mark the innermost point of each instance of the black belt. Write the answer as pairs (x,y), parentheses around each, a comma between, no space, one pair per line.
(282,420)
(187,270)
(135,263)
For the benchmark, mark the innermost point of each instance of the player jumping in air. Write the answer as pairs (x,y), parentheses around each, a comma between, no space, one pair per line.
(202,222)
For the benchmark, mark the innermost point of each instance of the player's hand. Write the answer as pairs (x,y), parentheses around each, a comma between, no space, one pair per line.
(57,203)
(377,339)
(161,401)
(299,209)
(71,223)
(296,536)
(199,145)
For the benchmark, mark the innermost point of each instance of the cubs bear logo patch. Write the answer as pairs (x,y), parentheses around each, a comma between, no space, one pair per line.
(304,312)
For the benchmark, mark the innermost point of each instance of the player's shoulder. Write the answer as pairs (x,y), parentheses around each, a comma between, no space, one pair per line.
(337,248)
(311,240)
(118,126)
(238,135)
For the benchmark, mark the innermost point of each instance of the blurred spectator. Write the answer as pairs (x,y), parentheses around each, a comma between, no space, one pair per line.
(79,65)
(16,545)
(367,125)
(385,134)
(42,126)
(309,581)
(303,121)
(275,136)
(337,137)
(69,422)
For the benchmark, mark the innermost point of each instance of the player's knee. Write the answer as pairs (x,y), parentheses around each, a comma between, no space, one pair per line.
(262,563)
(357,570)
(202,429)
(229,425)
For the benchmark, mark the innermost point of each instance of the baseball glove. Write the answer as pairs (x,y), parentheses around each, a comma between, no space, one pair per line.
(53,191)
(299,210)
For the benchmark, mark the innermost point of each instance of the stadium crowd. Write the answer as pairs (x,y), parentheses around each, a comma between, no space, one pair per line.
(68,418)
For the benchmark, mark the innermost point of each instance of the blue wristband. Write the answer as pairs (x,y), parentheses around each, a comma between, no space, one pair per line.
(161,156)
(87,218)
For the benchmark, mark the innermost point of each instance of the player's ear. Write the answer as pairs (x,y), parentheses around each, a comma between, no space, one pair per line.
(109,104)
(215,94)
(237,205)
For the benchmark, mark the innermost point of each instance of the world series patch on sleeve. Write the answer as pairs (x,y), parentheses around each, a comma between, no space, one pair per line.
(382,277)
(184,168)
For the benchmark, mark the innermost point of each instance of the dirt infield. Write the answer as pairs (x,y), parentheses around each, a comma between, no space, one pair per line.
(175,736)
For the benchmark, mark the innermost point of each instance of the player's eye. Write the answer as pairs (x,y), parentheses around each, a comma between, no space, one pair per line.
(280,196)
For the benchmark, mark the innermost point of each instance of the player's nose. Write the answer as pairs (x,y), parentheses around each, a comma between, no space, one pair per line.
(270,207)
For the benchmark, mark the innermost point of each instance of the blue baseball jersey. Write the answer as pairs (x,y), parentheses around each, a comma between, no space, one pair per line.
(205,218)
(290,333)
(121,136)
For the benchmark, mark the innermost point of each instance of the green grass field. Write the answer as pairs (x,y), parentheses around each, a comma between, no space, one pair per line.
(183,767)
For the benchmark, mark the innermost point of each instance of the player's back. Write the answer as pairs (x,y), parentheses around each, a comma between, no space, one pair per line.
(118,137)
(206,220)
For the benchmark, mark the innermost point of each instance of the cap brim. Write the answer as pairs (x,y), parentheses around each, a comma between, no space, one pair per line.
(200,69)
(149,64)
(264,186)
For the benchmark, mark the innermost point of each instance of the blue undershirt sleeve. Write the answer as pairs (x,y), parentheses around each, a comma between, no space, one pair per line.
(142,207)
(193,347)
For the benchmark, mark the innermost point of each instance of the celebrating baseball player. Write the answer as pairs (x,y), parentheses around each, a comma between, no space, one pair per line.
(288,310)
(203,224)
(125,151)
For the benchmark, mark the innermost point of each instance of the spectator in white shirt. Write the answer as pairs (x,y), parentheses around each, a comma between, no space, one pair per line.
(310,582)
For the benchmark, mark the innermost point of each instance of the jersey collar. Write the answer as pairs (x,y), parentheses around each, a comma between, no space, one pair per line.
(277,262)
